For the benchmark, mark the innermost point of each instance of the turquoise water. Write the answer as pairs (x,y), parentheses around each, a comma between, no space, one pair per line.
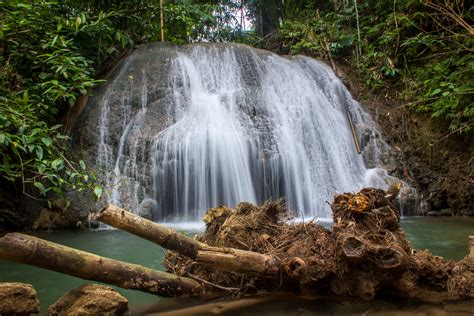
(446,237)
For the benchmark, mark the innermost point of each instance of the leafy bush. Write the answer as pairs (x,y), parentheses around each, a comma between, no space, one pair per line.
(43,72)
(34,152)
(414,46)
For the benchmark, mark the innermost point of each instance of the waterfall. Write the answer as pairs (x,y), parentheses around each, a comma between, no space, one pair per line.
(211,125)
(122,167)
(203,158)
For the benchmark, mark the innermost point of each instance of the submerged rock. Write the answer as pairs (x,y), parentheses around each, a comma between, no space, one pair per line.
(18,299)
(90,299)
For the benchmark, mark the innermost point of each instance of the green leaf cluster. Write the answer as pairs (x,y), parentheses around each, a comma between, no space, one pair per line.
(409,45)
(47,63)
(33,152)
(54,51)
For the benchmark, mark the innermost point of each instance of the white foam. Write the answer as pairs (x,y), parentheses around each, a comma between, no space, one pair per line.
(186,226)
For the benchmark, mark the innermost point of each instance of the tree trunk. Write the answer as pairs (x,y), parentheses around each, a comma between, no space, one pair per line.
(225,259)
(236,260)
(162,32)
(358,49)
(267,18)
(48,255)
(327,48)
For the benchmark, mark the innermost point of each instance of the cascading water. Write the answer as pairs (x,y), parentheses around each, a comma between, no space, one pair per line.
(203,158)
(236,124)
(121,167)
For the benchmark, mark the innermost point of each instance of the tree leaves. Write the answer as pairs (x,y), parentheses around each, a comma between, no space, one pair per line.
(405,45)
(98,191)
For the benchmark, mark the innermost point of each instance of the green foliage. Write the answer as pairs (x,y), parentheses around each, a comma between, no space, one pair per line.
(446,89)
(190,22)
(33,152)
(411,45)
(42,74)
(307,36)
(54,51)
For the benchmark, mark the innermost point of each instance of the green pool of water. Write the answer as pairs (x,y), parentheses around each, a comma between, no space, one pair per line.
(446,237)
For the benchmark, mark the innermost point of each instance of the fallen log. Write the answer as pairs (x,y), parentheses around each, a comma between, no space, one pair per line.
(240,261)
(296,268)
(221,258)
(48,255)
(354,248)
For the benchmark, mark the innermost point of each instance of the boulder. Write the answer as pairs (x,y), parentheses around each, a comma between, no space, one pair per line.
(18,299)
(425,207)
(468,212)
(46,220)
(447,212)
(70,212)
(90,299)
(146,208)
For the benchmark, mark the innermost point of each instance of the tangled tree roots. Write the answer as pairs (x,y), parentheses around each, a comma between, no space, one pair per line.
(365,253)
(461,281)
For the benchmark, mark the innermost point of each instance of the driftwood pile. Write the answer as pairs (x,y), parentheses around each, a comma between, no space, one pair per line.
(251,249)
(364,253)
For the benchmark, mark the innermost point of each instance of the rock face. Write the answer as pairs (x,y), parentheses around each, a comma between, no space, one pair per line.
(73,214)
(180,129)
(138,81)
(12,215)
(90,299)
(18,299)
